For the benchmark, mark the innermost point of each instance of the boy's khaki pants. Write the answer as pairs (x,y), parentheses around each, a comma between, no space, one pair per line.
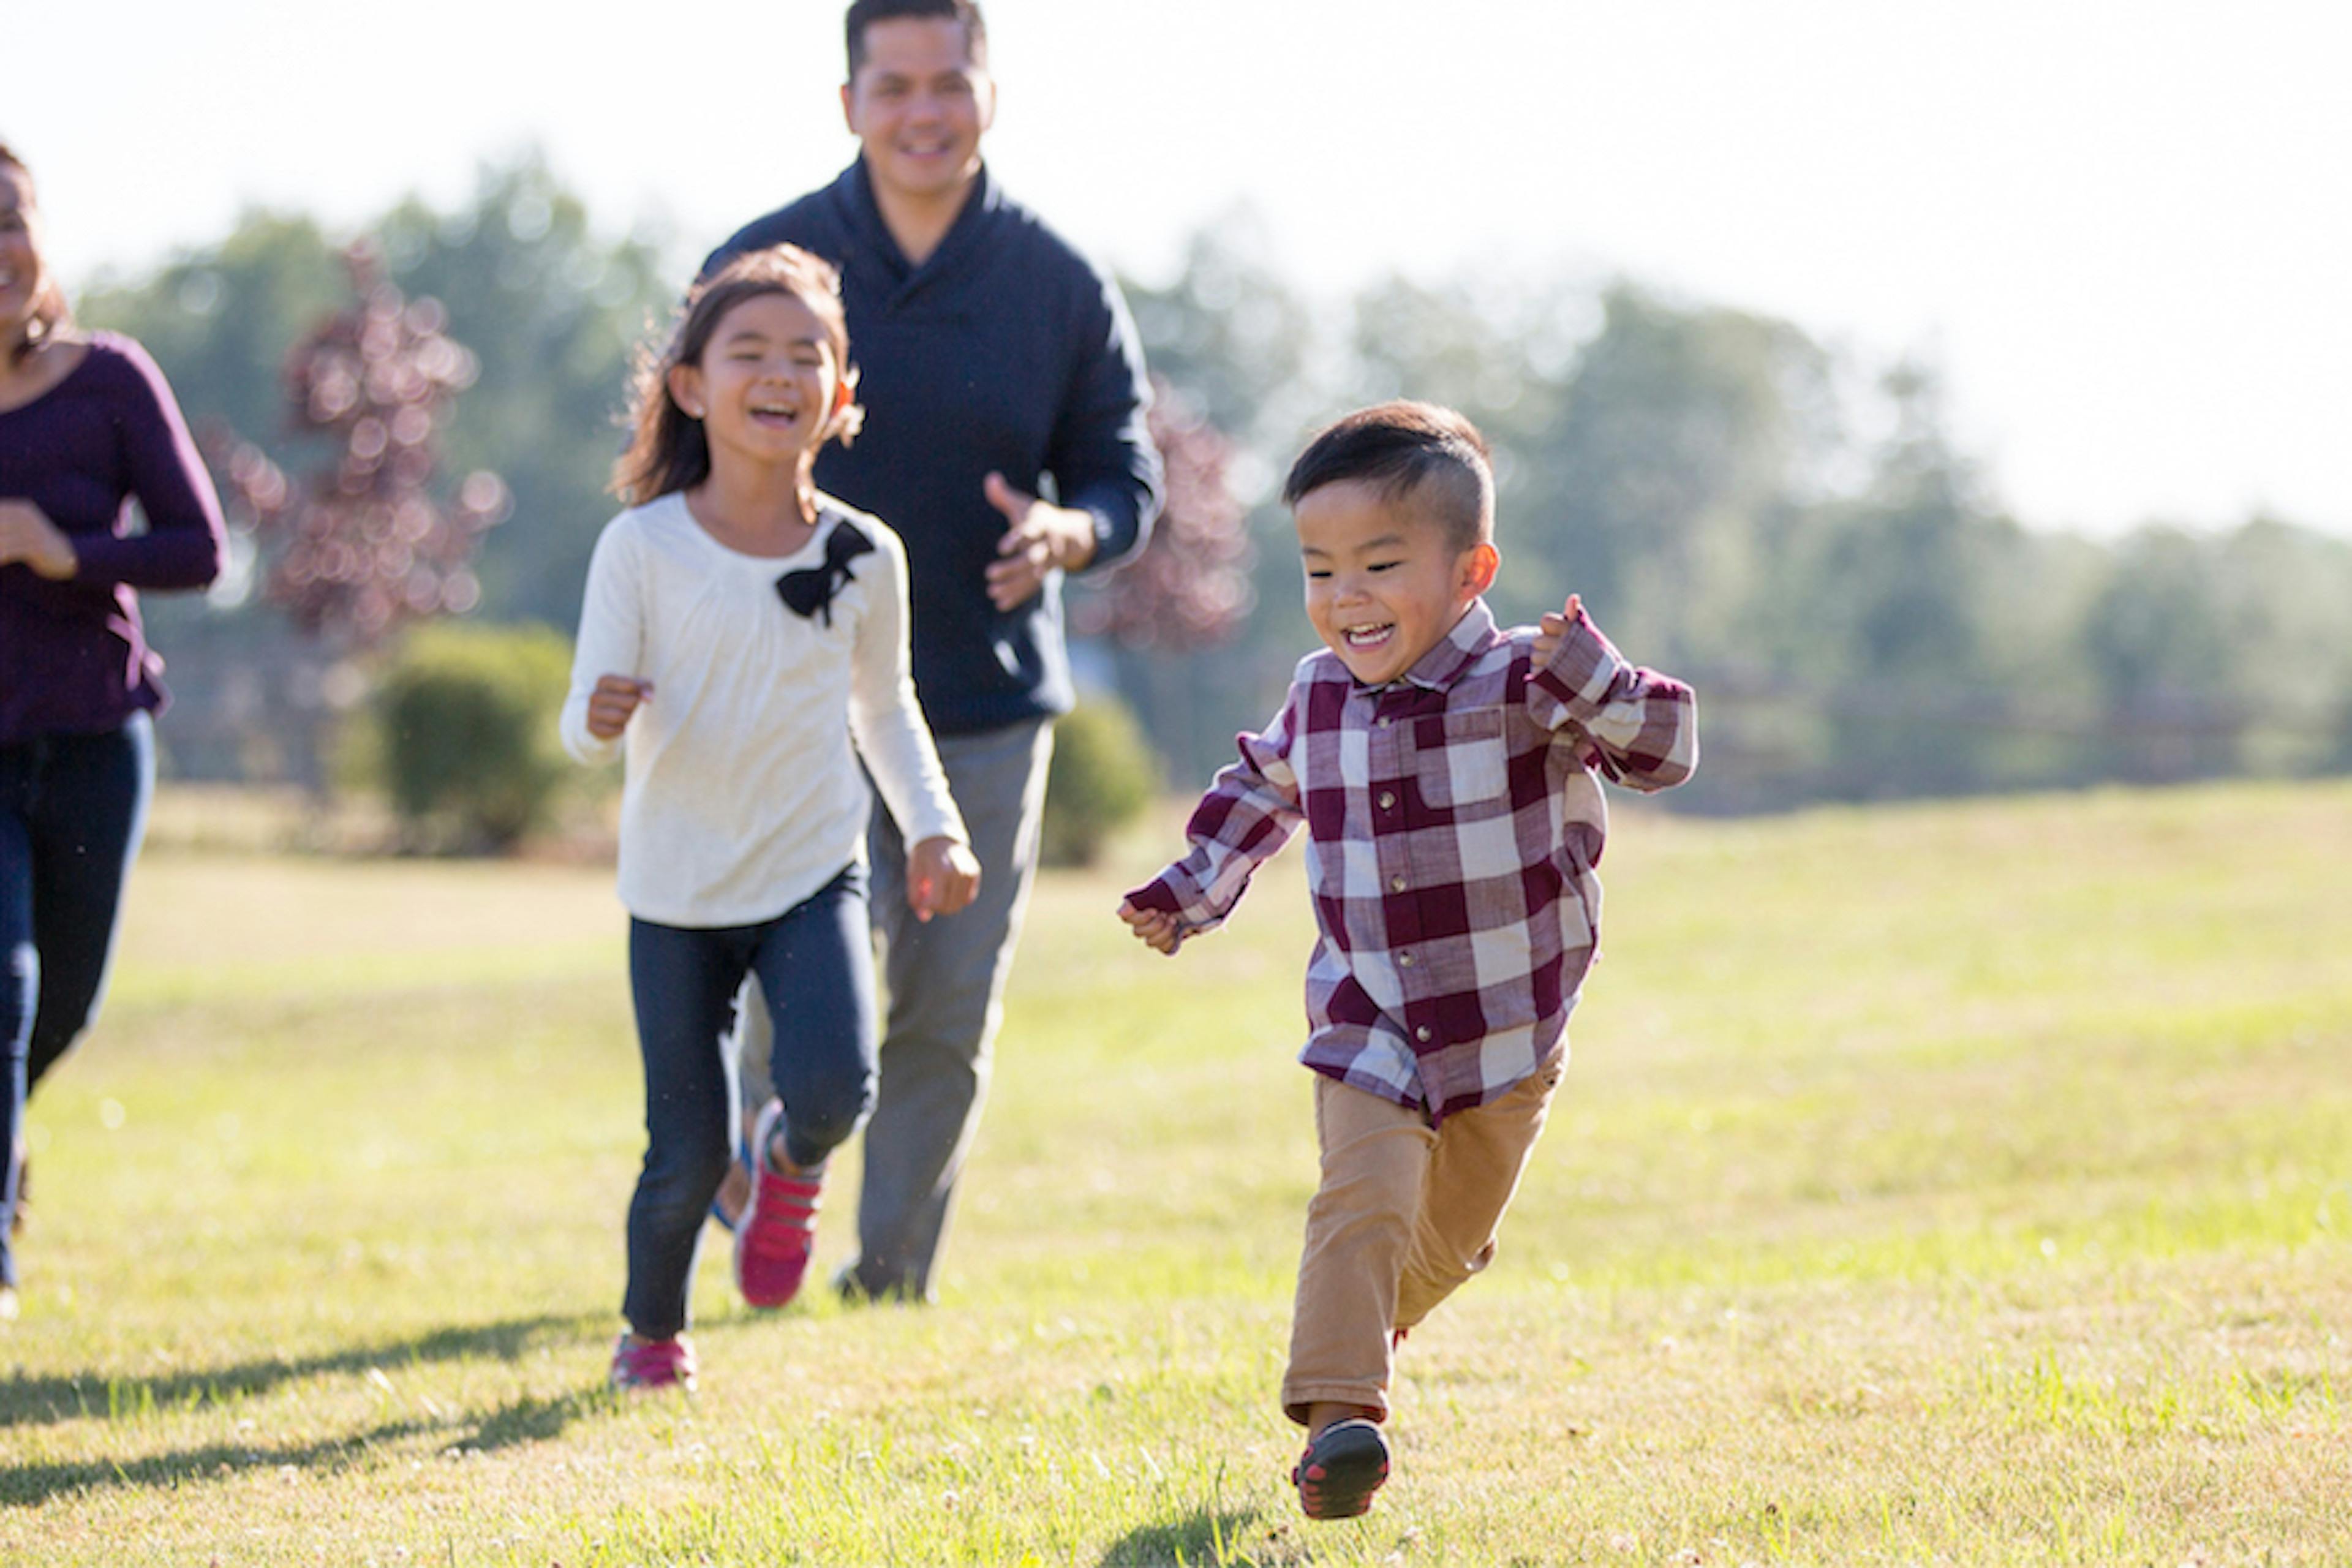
(1404,1214)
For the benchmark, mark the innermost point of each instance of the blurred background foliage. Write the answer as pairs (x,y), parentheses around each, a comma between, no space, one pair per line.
(1739,503)
(464,729)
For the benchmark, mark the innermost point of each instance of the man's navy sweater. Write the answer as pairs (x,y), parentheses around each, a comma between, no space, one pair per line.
(1005,351)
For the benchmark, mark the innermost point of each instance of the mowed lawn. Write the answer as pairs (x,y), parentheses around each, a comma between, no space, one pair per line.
(1943,1184)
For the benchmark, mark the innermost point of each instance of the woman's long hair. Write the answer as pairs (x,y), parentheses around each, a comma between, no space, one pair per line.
(50,315)
(669,450)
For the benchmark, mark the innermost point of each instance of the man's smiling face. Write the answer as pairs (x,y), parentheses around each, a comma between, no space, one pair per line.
(919,104)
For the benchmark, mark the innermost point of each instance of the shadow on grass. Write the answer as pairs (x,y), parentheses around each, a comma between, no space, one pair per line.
(1206,1536)
(525,1421)
(113,1396)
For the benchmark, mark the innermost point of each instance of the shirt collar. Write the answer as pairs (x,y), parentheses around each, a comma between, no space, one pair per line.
(985,197)
(1444,664)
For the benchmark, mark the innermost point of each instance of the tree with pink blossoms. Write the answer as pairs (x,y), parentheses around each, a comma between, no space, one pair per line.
(365,545)
(370,541)
(1166,614)
(1189,588)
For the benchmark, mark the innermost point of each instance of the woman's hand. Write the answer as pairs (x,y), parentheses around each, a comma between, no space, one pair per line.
(27,535)
(943,877)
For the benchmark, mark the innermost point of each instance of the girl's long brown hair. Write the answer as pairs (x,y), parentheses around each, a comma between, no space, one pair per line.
(667,449)
(50,315)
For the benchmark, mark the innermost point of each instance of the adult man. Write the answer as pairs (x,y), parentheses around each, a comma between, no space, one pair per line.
(992,356)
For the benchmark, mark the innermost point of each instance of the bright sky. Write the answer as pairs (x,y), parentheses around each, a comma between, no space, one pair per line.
(2122,228)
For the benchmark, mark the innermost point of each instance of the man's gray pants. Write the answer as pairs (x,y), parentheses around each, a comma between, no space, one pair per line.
(945,979)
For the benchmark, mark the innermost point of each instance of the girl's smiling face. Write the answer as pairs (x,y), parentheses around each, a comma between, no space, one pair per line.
(769,386)
(1383,583)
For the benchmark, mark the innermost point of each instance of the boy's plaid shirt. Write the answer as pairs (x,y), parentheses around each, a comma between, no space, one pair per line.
(1455,818)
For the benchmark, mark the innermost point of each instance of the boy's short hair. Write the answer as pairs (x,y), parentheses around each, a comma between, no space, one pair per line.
(1404,448)
(863,14)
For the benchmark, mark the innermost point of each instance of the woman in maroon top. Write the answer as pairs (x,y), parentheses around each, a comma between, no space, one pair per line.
(87,425)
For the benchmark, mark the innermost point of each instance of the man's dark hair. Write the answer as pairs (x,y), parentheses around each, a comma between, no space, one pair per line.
(1402,448)
(863,14)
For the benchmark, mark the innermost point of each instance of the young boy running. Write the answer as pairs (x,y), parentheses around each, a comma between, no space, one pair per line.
(1448,774)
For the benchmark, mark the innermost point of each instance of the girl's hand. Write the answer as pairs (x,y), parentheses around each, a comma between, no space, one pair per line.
(943,877)
(1156,929)
(1551,628)
(616,698)
(27,535)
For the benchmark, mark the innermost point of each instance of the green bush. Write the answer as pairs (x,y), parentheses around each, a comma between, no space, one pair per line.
(1103,776)
(467,732)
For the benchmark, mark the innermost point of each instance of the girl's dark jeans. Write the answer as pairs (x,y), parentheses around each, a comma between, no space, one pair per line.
(72,811)
(815,968)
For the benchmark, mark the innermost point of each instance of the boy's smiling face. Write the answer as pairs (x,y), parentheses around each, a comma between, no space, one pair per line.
(1384,583)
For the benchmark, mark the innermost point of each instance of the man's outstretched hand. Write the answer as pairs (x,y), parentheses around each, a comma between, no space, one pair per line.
(1043,537)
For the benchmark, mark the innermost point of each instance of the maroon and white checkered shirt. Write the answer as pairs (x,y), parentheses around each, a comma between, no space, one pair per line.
(1453,818)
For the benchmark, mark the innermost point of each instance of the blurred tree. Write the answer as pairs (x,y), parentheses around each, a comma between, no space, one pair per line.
(1894,600)
(1478,350)
(1860,615)
(2284,596)
(1682,440)
(2168,667)
(1233,335)
(2218,654)
(1246,352)
(1187,593)
(1908,575)
(550,311)
(1190,587)
(365,545)
(220,320)
(552,314)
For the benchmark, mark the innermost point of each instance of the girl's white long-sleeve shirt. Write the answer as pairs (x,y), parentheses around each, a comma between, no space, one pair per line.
(742,795)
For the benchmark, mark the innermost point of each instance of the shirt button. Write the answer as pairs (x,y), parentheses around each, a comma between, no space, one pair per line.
(1396,884)
(1422,1033)
(1404,961)
(1387,800)
(1384,723)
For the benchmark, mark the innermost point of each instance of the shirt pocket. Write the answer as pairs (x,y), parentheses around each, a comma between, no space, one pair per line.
(1461,758)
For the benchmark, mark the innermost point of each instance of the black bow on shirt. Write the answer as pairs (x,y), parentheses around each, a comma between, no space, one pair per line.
(811,591)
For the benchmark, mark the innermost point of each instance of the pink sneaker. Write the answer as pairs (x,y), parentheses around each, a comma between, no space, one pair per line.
(777,1234)
(644,1367)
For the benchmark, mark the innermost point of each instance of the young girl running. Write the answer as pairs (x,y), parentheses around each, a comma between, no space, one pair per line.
(740,630)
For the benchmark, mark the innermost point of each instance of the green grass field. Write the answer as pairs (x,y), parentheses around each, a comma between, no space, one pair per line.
(1955,1185)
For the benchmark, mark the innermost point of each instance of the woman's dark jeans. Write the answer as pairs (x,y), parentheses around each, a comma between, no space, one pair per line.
(72,811)
(815,968)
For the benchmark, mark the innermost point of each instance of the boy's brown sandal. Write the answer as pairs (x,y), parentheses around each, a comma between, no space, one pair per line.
(1341,1469)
